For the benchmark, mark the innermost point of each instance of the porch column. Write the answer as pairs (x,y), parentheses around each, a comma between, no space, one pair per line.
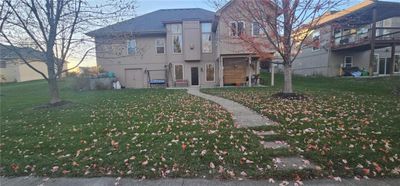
(272,74)
(393,58)
(221,72)
(249,71)
(258,72)
(373,38)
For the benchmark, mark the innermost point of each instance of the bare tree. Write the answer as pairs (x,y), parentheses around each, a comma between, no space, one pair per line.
(56,28)
(285,27)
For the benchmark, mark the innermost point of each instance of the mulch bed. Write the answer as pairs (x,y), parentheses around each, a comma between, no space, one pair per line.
(55,105)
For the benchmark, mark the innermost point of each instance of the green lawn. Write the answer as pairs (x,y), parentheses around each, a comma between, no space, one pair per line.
(132,133)
(348,126)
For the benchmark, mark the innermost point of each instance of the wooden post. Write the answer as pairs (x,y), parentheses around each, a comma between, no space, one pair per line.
(221,72)
(393,58)
(272,74)
(373,38)
(249,71)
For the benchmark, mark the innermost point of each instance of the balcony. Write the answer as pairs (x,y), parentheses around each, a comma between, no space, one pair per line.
(360,38)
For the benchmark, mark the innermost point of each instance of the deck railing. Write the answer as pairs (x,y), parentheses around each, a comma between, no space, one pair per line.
(362,36)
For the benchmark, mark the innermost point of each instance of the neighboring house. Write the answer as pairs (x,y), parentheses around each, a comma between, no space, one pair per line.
(13,69)
(344,39)
(178,47)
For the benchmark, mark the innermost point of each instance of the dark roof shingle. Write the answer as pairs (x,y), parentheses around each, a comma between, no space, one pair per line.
(153,23)
(28,53)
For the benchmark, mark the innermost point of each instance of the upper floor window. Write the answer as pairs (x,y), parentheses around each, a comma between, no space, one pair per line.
(256,29)
(348,61)
(176,32)
(160,46)
(316,40)
(236,28)
(176,28)
(206,39)
(132,47)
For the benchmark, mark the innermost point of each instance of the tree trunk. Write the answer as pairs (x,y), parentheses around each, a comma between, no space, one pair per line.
(54,93)
(52,81)
(287,84)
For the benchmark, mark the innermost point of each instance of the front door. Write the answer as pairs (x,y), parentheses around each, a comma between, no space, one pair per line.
(382,66)
(195,76)
(385,65)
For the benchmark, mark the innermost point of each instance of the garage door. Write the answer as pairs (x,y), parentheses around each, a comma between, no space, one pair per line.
(134,78)
(234,73)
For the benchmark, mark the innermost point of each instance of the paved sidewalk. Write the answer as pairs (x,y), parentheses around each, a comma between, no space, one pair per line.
(243,117)
(105,181)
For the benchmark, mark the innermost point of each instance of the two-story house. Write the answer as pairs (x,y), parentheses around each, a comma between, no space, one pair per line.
(366,36)
(177,47)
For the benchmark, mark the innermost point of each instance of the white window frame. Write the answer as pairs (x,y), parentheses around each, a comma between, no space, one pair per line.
(376,70)
(252,29)
(202,43)
(183,71)
(205,71)
(344,61)
(179,34)
(385,68)
(156,46)
(127,47)
(319,38)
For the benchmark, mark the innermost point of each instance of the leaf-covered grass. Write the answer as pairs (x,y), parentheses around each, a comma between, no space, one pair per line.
(136,133)
(350,127)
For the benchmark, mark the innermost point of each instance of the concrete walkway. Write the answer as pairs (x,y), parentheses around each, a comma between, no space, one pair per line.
(243,117)
(106,181)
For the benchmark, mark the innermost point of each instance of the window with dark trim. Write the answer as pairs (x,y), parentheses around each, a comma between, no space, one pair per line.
(160,46)
(348,61)
(237,28)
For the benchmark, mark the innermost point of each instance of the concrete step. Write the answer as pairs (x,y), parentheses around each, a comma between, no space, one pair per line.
(274,145)
(292,163)
(264,133)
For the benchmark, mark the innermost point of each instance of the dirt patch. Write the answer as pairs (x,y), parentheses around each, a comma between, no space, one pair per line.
(61,104)
(290,96)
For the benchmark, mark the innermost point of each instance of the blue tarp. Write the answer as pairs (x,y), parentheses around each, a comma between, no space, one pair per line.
(356,74)
(157,81)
